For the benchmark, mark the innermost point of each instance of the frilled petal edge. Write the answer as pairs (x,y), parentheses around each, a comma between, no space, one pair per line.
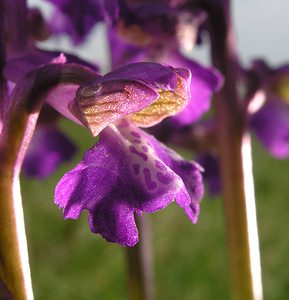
(127,172)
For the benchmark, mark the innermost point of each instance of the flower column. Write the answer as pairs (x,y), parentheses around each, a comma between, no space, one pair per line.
(236,164)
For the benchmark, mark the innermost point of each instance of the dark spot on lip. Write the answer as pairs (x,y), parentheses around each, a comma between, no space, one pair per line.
(135,134)
(151,185)
(164,178)
(136,169)
(133,150)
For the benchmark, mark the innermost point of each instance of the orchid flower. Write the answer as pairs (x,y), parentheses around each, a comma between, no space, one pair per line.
(128,171)
(269,118)
(48,141)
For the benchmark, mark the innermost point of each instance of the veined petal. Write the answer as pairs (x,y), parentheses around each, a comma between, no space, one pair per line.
(167,104)
(100,104)
(146,92)
(123,174)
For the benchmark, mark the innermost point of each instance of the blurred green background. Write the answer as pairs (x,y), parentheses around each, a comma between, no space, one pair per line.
(69,262)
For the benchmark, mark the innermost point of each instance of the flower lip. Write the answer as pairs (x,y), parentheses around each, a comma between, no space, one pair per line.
(128,171)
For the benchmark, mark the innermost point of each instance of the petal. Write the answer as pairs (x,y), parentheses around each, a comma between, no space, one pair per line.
(168,103)
(158,76)
(121,175)
(16,68)
(76,18)
(192,188)
(271,126)
(123,52)
(147,91)
(98,105)
(205,81)
(59,96)
(47,150)
(280,83)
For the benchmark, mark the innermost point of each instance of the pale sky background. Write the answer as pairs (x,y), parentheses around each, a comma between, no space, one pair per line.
(262,30)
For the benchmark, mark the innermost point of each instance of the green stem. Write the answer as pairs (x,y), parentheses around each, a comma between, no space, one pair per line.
(140,264)
(19,125)
(236,163)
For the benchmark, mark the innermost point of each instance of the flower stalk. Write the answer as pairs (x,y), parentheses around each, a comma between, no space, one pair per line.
(236,163)
(140,263)
(18,127)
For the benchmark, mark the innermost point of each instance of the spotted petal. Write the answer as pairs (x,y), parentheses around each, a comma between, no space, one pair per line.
(126,172)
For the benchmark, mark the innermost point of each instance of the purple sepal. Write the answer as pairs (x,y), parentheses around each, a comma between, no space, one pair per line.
(76,18)
(155,75)
(127,90)
(271,126)
(16,68)
(205,81)
(48,149)
(123,52)
(127,172)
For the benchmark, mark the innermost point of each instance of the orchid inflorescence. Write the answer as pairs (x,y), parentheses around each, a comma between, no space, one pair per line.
(153,92)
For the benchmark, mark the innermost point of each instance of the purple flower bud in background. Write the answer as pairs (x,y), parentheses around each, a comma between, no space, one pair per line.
(76,18)
(48,149)
(269,119)
(211,175)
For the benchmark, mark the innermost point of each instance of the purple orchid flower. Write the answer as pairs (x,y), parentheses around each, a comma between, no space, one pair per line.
(152,45)
(205,81)
(139,32)
(128,171)
(270,121)
(76,18)
(271,126)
